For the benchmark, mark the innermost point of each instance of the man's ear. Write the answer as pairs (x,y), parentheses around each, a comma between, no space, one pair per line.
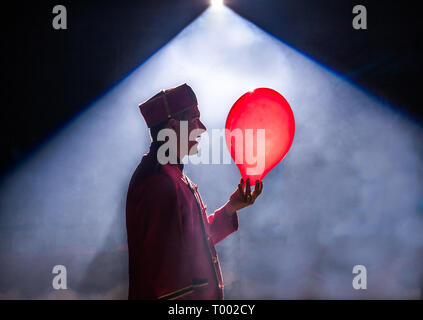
(172,124)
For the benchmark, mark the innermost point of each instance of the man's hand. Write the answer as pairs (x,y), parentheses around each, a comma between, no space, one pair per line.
(241,199)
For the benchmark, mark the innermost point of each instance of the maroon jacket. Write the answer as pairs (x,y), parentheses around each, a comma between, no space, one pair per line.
(170,238)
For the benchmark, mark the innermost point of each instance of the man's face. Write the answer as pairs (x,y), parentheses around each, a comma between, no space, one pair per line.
(195,129)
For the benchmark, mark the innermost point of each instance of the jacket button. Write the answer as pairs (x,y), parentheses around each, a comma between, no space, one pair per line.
(208,238)
(221,286)
(214,259)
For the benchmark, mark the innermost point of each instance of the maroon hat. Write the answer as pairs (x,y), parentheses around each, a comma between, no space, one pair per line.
(167,103)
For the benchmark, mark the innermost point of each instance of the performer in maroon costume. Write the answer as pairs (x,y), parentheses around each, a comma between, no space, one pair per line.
(171,240)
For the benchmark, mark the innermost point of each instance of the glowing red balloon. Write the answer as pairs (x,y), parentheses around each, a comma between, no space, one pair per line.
(259,132)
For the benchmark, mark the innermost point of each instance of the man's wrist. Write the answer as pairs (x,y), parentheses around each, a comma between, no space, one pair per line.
(229,210)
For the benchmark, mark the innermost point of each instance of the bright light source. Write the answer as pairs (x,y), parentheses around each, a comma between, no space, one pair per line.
(217,4)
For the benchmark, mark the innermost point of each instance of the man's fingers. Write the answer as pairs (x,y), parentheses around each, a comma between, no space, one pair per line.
(242,183)
(247,195)
(241,191)
(257,189)
(257,186)
(248,191)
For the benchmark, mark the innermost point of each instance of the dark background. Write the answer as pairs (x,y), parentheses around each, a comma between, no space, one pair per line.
(49,75)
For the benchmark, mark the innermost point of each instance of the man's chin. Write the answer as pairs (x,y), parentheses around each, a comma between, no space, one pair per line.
(193,150)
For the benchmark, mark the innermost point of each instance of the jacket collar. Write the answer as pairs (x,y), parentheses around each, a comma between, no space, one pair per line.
(155,145)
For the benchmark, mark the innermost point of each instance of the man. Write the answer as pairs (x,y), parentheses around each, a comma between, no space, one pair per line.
(170,238)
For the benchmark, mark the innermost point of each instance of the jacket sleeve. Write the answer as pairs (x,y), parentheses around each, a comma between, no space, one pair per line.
(165,260)
(221,225)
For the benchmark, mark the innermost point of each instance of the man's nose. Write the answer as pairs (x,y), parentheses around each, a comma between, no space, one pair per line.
(202,126)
